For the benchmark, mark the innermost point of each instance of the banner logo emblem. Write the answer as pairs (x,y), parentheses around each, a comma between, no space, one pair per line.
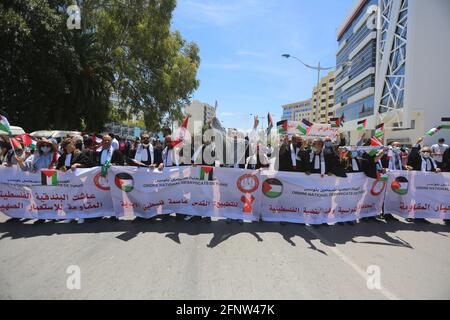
(49,177)
(101,182)
(248,183)
(124,182)
(207,173)
(272,188)
(400,186)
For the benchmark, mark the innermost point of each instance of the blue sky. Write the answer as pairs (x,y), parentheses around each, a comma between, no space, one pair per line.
(241,43)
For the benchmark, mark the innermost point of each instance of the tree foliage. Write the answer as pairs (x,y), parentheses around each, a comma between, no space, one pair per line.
(60,78)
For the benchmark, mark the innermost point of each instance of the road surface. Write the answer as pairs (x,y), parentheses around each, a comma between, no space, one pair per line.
(197,260)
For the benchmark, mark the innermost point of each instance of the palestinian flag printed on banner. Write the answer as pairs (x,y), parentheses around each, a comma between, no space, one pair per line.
(124,182)
(4,125)
(382,177)
(207,173)
(305,126)
(272,188)
(49,177)
(362,125)
(400,185)
(379,131)
(282,126)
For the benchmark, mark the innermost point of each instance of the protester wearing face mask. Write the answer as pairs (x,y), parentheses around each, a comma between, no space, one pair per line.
(46,157)
(169,155)
(351,162)
(393,160)
(292,156)
(438,151)
(324,161)
(423,161)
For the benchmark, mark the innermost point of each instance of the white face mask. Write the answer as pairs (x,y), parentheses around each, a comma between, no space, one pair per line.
(397,149)
(426,155)
(45,149)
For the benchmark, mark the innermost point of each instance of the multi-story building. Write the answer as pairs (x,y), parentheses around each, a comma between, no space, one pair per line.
(356,61)
(398,52)
(322,101)
(297,111)
(201,113)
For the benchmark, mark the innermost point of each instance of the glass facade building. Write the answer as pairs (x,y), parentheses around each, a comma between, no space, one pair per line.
(356,60)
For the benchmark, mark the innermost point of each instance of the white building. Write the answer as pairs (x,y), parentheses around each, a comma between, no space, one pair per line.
(412,70)
(201,113)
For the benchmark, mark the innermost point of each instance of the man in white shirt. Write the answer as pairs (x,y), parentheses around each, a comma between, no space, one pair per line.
(114,142)
(438,151)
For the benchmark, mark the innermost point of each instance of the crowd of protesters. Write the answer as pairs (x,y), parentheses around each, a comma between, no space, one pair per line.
(294,154)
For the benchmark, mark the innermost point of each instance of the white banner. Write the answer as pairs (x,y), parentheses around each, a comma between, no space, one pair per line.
(313,199)
(415,194)
(199,191)
(316,131)
(51,194)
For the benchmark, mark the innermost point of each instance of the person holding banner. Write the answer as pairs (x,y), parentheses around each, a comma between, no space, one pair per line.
(446,161)
(106,154)
(324,161)
(423,161)
(45,157)
(292,156)
(72,157)
(144,154)
(350,162)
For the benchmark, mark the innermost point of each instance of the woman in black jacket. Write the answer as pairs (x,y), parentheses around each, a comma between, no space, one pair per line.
(72,157)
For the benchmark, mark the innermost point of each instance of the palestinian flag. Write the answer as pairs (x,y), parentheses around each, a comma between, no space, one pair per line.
(27,141)
(49,177)
(4,125)
(206,173)
(282,126)
(305,126)
(379,131)
(382,177)
(272,188)
(335,122)
(433,131)
(181,133)
(362,125)
(16,145)
(124,182)
(270,123)
(374,142)
(400,186)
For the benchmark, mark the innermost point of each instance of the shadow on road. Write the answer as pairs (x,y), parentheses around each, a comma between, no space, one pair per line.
(221,231)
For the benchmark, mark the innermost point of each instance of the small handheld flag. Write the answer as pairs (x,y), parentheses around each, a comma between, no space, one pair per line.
(335,122)
(282,126)
(379,131)
(305,126)
(433,131)
(4,125)
(361,125)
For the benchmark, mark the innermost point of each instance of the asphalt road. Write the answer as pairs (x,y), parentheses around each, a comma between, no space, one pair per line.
(197,260)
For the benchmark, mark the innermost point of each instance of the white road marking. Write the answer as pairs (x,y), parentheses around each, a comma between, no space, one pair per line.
(384,291)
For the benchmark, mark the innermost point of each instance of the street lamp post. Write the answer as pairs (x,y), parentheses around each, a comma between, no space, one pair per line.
(319,68)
